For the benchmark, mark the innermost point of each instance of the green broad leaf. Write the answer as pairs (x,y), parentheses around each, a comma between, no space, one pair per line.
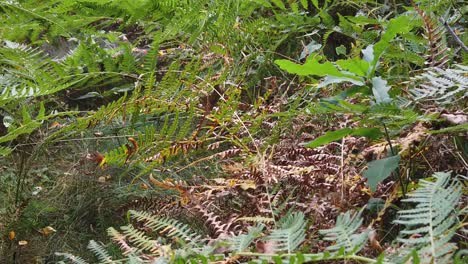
(380,90)
(331,79)
(379,170)
(341,133)
(313,67)
(368,53)
(400,25)
(340,50)
(362,20)
(368,132)
(356,66)
(329,137)
(364,90)
(309,49)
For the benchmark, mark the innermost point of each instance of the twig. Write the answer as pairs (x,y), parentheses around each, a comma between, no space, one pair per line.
(455,37)
(342,169)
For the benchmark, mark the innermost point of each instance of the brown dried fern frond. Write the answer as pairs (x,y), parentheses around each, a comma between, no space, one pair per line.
(149,204)
(219,225)
(434,33)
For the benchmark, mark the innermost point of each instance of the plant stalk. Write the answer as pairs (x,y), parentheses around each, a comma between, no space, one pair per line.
(402,184)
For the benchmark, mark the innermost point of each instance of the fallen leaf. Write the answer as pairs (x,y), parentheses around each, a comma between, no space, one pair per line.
(219,180)
(47,230)
(374,242)
(245,185)
(55,124)
(11,235)
(456,119)
(231,182)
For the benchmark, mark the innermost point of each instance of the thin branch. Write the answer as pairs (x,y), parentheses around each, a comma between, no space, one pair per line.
(455,37)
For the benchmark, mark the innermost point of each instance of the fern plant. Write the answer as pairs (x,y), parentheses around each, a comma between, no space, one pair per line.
(290,233)
(431,224)
(345,235)
(429,227)
(442,86)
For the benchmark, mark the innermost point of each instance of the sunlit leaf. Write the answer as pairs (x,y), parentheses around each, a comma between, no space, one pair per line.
(331,79)
(313,67)
(356,66)
(341,133)
(329,137)
(48,230)
(380,90)
(399,25)
(368,53)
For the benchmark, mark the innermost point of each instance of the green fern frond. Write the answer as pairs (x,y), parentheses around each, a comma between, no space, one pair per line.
(241,242)
(290,234)
(5,151)
(434,219)
(120,240)
(27,73)
(100,252)
(344,234)
(140,239)
(172,228)
(72,258)
(443,86)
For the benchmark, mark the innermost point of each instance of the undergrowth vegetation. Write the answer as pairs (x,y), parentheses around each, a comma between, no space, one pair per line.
(233,131)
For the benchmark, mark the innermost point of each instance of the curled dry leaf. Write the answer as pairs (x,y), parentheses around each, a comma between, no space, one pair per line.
(456,118)
(95,157)
(47,230)
(11,235)
(55,124)
(374,241)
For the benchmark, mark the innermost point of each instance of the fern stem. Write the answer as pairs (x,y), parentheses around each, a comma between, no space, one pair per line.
(269,204)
